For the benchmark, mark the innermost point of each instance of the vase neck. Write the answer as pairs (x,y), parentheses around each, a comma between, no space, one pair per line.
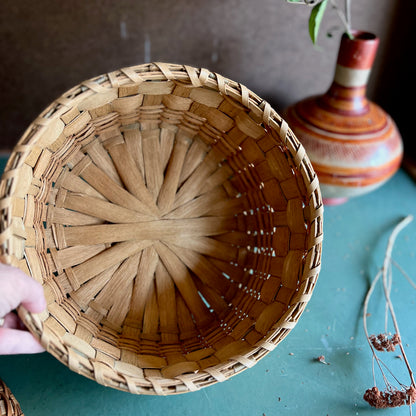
(345,100)
(355,60)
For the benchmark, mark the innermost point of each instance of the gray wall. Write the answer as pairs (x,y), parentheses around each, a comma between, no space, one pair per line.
(47,47)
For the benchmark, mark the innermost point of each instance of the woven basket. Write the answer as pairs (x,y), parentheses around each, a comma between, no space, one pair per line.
(174,221)
(9,406)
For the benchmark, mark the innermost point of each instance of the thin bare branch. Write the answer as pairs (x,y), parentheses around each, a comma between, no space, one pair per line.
(407,277)
(391,396)
(386,266)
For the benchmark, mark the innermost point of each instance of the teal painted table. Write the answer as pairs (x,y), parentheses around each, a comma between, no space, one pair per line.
(289,380)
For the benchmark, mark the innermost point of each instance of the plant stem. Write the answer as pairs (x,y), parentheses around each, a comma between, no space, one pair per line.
(386,274)
(407,277)
(348,13)
(386,266)
(365,308)
(344,17)
(389,282)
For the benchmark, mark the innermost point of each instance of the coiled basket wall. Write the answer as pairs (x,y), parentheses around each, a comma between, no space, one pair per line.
(174,221)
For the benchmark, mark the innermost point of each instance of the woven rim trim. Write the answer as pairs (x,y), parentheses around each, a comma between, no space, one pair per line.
(127,378)
(9,406)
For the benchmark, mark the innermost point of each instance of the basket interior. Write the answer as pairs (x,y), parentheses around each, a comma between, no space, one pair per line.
(171,229)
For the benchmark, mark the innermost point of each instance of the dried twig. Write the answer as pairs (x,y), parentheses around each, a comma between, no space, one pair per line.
(386,267)
(407,277)
(391,396)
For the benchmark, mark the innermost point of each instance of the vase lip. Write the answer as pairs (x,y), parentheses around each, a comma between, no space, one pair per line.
(359,52)
(361,35)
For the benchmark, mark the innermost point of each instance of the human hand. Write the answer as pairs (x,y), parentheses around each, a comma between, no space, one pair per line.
(16,288)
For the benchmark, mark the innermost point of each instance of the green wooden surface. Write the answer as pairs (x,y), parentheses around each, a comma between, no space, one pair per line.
(289,380)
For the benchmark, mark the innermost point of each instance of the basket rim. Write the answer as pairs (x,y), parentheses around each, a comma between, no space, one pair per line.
(12,406)
(190,77)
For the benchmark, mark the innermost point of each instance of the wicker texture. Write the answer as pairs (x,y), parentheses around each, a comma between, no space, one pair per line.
(9,406)
(174,221)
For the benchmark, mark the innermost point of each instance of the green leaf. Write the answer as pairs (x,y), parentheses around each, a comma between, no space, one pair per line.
(315,19)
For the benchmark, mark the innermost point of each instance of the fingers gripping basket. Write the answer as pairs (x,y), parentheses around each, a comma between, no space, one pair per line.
(9,406)
(174,221)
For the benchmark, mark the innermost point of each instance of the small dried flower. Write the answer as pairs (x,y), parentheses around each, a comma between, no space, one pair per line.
(382,342)
(374,398)
(321,359)
(390,398)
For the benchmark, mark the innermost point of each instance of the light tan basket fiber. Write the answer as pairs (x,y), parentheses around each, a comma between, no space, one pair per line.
(174,221)
(9,406)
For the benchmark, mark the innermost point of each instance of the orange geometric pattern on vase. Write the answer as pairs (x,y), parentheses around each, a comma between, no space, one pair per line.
(357,178)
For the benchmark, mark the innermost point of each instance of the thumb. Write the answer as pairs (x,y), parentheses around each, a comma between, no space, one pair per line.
(16,288)
(14,341)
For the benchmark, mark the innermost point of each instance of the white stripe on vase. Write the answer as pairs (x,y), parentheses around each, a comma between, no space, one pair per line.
(348,77)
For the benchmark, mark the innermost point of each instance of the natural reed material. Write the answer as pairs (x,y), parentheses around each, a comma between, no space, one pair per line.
(174,221)
(394,394)
(9,406)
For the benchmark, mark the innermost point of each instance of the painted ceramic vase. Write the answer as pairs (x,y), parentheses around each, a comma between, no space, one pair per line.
(353,144)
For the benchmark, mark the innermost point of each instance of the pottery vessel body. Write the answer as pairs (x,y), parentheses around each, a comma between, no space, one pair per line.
(353,144)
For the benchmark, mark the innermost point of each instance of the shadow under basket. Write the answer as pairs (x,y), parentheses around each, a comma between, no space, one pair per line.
(174,221)
(9,406)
